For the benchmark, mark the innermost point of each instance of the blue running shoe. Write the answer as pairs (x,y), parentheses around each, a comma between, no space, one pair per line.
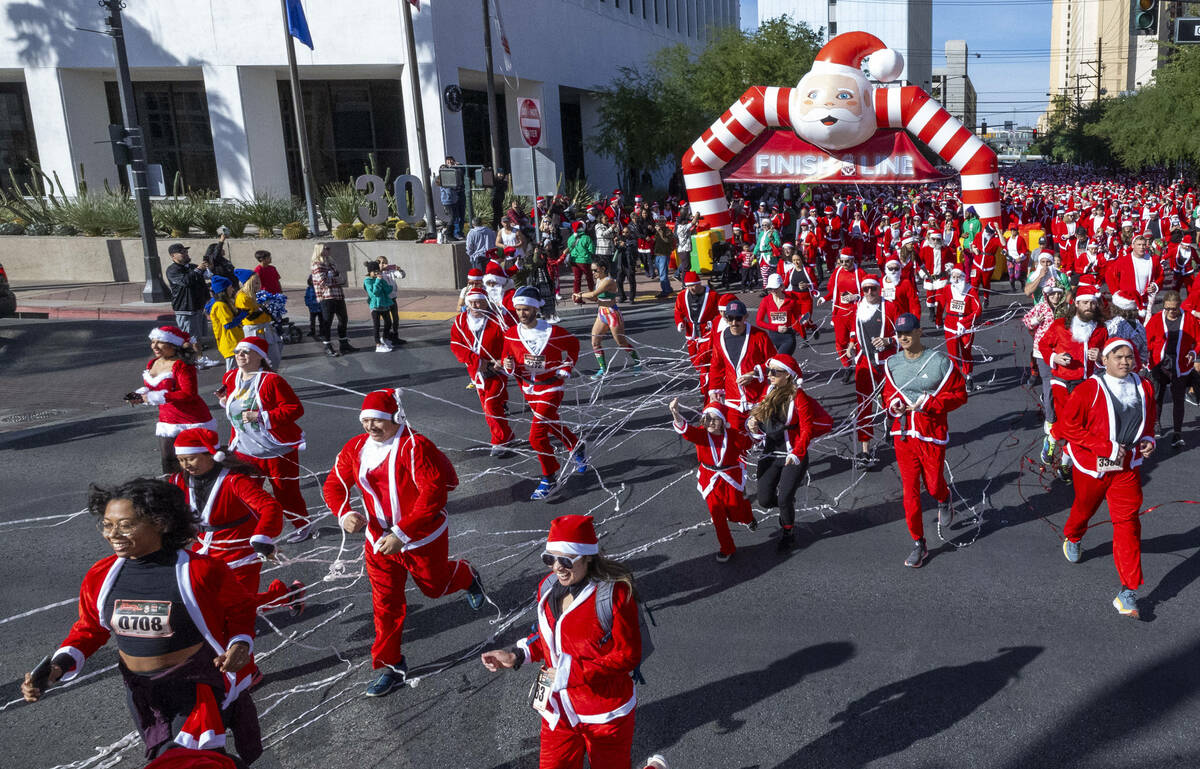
(1072,550)
(580,459)
(389,680)
(544,487)
(1126,603)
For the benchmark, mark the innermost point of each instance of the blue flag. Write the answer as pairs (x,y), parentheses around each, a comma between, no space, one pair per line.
(297,24)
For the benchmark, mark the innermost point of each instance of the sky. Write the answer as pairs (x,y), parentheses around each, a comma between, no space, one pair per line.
(1012,74)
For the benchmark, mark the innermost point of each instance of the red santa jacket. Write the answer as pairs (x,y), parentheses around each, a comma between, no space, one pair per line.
(177,396)
(722,457)
(1058,339)
(962,314)
(276,403)
(695,326)
(987,248)
(843,281)
(932,260)
(1120,275)
(1016,249)
(236,513)
(806,420)
(862,340)
(1089,427)
(217,603)
(405,494)
(542,357)
(778,315)
(592,676)
(724,372)
(928,421)
(476,348)
(902,296)
(1186,349)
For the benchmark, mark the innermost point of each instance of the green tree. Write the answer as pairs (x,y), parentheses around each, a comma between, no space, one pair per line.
(630,116)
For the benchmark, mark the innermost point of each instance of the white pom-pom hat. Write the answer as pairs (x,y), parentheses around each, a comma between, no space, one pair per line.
(845,53)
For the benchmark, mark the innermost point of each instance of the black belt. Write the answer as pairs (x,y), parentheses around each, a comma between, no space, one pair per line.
(720,468)
(230,525)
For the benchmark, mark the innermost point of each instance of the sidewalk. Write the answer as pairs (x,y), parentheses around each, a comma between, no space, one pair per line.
(123,301)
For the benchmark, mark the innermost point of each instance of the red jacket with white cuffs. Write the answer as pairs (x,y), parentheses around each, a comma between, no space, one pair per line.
(404,493)
(1058,340)
(962,314)
(1187,349)
(1089,427)
(217,603)
(843,281)
(476,348)
(177,396)
(722,457)
(928,421)
(778,316)
(236,513)
(277,404)
(723,373)
(862,339)
(592,681)
(806,421)
(695,327)
(543,356)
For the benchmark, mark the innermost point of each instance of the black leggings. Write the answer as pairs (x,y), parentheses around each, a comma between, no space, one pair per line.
(331,308)
(1178,386)
(778,483)
(785,341)
(166,447)
(388,328)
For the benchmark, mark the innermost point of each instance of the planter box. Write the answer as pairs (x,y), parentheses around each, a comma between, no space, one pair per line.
(427,266)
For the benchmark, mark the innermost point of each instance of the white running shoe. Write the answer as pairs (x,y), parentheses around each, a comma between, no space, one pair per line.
(383,347)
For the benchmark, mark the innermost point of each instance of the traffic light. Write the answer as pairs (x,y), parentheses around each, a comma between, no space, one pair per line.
(1145,16)
(118,137)
(983,127)
(1035,134)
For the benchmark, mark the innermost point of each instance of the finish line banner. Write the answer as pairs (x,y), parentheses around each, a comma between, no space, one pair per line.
(781,157)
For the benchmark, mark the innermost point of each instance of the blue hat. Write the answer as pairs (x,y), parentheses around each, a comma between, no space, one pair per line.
(220,283)
(243,275)
(736,308)
(907,322)
(527,296)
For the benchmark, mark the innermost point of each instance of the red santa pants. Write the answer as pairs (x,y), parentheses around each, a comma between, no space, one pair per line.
(607,746)
(843,326)
(1123,490)
(959,350)
(917,460)
(284,474)
(249,574)
(433,571)
(546,423)
(981,279)
(804,302)
(727,504)
(493,397)
(867,378)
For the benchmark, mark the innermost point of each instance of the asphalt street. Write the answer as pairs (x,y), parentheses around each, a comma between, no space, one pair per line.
(998,653)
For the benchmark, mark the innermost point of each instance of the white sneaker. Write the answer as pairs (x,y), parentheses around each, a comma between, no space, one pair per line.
(553,319)
(657,761)
(383,347)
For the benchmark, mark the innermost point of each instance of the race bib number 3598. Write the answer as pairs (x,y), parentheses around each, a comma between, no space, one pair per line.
(142,619)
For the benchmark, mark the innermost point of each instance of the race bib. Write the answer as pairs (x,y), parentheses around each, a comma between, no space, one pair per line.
(535,362)
(142,619)
(778,318)
(889,293)
(539,694)
(1106,465)
(958,306)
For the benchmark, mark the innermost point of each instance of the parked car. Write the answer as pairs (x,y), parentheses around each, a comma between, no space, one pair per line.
(8,300)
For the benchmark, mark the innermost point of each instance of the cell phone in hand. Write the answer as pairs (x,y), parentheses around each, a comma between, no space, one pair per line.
(131,397)
(40,675)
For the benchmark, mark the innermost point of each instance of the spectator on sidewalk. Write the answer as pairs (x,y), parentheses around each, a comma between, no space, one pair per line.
(268,276)
(454,198)
(226,320)
(379,297)
(189,294)
(392,274)
(328,282)
(580,250)
(479,240)
(683,244)
(664,245)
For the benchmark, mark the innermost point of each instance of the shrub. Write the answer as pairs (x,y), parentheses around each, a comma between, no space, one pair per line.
(11,228)
(87,214)
(266,212)
(344,232)
(233,217)
(120,214)
(342,201)
(174,217)
(405,231)
(375,232)
(295,231)
(210,217)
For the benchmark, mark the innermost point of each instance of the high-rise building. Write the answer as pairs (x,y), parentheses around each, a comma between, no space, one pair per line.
(952,84)
(905,25)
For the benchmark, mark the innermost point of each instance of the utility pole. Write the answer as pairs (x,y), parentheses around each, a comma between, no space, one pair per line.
(493,125)
(155,290)
(306,173)
(414,82)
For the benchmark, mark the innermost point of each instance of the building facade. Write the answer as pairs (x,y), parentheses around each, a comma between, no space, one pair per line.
(211,84)
(905,25)
(952,84)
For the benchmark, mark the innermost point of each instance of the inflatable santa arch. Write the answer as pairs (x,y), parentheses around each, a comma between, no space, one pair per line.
(835,108)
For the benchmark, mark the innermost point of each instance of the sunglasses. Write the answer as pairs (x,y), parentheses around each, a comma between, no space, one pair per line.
(565,561)
(777,372)
(735,318)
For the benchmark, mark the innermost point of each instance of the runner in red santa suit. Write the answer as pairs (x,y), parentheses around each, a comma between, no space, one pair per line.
(238,521)
(737,374)
(872,342)
(403,480)
(1071,347)
(1108,426)
(1016,253)
(184,626)
(920,387)
(1136,274)
(897,290)
(1173,337)
(695,311)
(1186,262)
(984,250)
(780,315)
(584,691)
(721,477)
(500,297)
(844,290)
(477,341)
(962,315)
(169,382)
(262,410)
(934,256)
(541,356)
(801,285)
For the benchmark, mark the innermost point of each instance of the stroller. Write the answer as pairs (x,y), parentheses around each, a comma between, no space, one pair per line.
(726,270)
(275,305)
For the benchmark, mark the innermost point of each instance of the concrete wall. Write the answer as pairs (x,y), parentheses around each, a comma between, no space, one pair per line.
(427,266)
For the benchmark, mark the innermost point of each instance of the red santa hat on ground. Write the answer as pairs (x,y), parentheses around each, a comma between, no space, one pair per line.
(573,535)
(383,404)
(691,279)
(253,344)
(786,363)
(199,440)
(171,335)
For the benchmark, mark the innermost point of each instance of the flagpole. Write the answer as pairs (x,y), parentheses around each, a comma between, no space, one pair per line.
(419,118)
(493,123)
(301,127)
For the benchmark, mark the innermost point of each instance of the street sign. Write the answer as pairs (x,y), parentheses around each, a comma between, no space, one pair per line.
(529,115)
(521,181)
(1187,30)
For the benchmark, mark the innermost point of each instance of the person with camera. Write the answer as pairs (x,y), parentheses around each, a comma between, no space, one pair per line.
(1174,341)
(453,197)
(189,294)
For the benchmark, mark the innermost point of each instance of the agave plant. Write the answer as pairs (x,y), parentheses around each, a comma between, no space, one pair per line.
(209,214)
(88,214)
(266,212)
(342,201)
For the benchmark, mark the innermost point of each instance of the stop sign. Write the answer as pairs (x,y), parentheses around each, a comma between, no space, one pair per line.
(529,114)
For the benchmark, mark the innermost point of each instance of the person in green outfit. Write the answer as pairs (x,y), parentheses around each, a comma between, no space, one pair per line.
(379,297)
(580,250)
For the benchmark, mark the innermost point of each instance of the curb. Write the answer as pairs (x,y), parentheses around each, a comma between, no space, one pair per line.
(41,312)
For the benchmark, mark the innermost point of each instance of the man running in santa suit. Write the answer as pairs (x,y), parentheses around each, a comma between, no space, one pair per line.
(1108,425)
(872,342)
(1136,274)
(897,290)
(920,387)
(737,375)
(541,356)
(844,289)
(1071,347)
(477,340)
(695,311)
(403,480)
(934,256)
(984,249)
(962,311)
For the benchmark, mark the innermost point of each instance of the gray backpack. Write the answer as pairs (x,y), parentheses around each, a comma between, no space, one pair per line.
(604,615)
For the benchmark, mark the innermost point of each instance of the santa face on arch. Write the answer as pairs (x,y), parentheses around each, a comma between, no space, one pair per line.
(833,108)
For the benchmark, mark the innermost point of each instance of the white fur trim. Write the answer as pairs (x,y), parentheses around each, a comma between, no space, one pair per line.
(375,414)
(1114,344)
(155,397)
(192,450)
(158,335)
(75,655)
(526,301)
(573,548)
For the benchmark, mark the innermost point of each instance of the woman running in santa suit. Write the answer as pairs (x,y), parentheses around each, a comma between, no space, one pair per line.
(477,340)
(262,411)
(608,317)
(184,625)
(584,692)
(170,383)
(779,314)
(238,520)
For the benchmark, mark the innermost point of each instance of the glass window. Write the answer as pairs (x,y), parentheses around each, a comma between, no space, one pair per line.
(173,116)
(476,129)
(17,144)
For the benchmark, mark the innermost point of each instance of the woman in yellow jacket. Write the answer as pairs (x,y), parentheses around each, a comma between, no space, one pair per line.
(258,322)
(225,319)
